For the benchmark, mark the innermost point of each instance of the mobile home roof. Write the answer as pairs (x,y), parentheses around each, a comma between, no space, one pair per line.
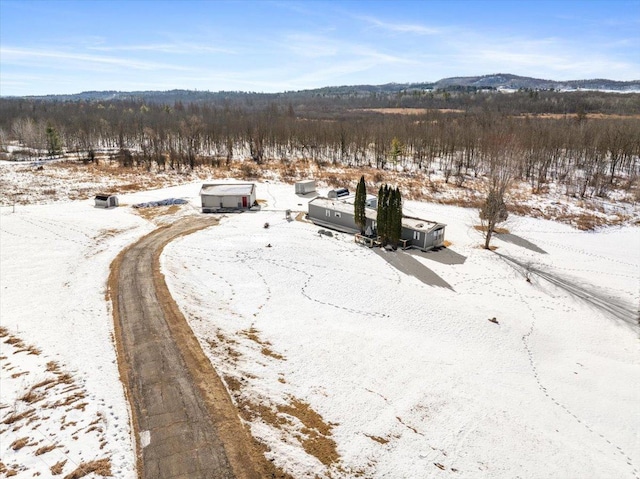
(237,189)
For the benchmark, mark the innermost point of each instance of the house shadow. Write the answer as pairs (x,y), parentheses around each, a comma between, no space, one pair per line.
(519,241)
(441,255)
(407,264)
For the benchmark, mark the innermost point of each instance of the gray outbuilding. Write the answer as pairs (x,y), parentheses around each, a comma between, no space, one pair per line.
(106,201)
(305,187)
(227,196)
(338,193)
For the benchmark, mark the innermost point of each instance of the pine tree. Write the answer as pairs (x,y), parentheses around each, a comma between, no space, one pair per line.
(382,212)
(395,226)
(360,204)
(53,141)
(389,215)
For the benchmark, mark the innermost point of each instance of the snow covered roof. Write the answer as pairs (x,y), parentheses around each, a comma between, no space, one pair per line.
(341,206)
(418,224)
(227,189)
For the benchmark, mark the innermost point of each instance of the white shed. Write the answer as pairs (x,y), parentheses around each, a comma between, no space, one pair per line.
(304,187)
(106,201)
(235,196)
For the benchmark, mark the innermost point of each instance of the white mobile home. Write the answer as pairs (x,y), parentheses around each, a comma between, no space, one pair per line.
(227,196)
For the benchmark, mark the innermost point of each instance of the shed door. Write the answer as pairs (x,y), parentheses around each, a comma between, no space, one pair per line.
(244,201)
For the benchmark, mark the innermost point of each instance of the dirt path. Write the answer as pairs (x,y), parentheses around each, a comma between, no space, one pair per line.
(186,425)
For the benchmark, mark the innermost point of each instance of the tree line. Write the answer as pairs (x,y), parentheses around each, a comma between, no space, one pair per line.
(586,153)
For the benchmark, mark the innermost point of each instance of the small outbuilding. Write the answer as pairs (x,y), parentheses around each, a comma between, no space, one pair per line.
(305,187)
(338,193)
(106,201)
(227,196)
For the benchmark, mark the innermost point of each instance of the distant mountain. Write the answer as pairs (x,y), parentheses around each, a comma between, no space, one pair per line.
(499,81)
(514,82)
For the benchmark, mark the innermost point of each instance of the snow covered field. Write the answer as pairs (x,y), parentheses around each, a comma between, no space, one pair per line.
(413,380)
(343,365)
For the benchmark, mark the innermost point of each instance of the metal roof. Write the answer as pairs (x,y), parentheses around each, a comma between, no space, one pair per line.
(227,189)
(410,222)
(337,204)
(418,224)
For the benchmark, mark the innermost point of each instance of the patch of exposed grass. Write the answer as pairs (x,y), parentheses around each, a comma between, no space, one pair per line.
(268,352)
(57,468)
(46,449)
(19,443)
(500,231)
(157,211)
(15,417)
(318,441)
(101,467)
(380,440)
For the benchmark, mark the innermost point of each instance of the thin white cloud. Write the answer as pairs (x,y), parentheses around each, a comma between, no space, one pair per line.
(177,48)
(414,28)
(21,56)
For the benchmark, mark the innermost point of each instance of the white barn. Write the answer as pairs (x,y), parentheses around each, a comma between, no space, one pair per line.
(227,196)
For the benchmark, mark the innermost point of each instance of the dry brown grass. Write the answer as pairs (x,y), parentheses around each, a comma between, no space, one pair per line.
(500,231)
(408,111)
(318,441)
(101,467)
(31,396)
(19,443)
(268,352)
(46,449)
(57,468)
(380,440)
(157,211)
(15,417)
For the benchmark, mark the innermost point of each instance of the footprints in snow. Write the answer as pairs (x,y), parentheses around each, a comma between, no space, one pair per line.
(525,340)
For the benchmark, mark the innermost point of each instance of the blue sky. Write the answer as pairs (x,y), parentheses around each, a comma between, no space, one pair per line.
(53,46)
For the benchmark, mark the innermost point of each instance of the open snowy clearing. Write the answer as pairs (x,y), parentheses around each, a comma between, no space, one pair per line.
(342,365)
(413,380)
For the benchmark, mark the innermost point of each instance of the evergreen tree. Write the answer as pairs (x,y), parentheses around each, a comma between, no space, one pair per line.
(359,204)
(382,211)
(389,215)
(394,217)
(53,141)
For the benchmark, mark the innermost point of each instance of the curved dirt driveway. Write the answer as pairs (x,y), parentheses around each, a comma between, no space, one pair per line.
(185,423)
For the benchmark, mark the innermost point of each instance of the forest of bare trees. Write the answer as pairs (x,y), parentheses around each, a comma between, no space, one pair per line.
(589,142)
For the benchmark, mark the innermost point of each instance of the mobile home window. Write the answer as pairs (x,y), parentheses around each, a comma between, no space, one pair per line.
(416,235)
(327,213)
